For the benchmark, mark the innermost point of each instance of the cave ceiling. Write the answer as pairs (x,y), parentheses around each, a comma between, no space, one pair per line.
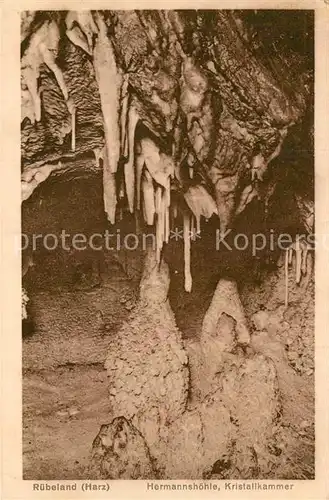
(201,104)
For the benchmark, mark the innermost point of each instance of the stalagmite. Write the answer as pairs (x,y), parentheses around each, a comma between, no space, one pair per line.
(129,168)
(187,253)
(109,79)
(148,198)
(43,48)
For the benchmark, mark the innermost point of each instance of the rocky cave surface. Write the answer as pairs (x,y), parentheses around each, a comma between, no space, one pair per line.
(182,361)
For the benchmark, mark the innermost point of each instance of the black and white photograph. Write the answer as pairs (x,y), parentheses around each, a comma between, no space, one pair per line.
(167,244)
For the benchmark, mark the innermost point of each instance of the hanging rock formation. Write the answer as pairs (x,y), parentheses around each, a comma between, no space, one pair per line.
(215,111)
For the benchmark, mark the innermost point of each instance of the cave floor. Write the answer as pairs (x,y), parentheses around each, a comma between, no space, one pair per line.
(65,387)
(65,391)
(63,410)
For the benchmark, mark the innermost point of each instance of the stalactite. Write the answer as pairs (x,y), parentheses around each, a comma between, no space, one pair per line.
(167,225)
(175,210)
(200,203)
(73,118)
(301,248)
(260,163)
(225,189)
(304,261)
(194,231)
(158,196)
(187,252)
(43,48)
(198,224)
(194,87)
(31,178)
(124,119)
(286,275)
(109,188)
(148,198)
(98,154)
(159,164)
(151,154)
(306,211)
(160,221)
(129,168)
(80,29)
(298,261)
(166,203)
(109,79)
(248,194)
(139,164)
(167,193)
